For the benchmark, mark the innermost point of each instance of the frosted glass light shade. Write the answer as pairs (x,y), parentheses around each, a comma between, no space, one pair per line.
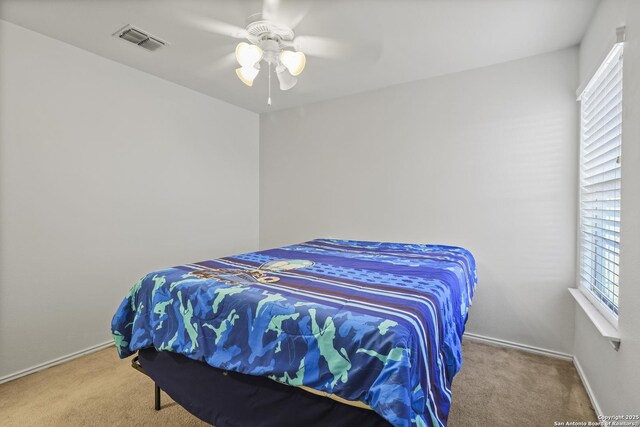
(287,81)
(248,54)
(294,61)
(247,74)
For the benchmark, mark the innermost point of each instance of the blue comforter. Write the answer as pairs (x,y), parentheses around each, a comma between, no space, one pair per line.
(379,323)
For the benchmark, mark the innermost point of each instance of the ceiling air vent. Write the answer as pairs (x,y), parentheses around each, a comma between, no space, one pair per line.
(139,37)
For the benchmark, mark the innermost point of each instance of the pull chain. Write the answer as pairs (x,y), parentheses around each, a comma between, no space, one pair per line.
(269,98)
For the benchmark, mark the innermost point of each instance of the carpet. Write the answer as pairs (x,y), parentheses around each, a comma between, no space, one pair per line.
(496,387)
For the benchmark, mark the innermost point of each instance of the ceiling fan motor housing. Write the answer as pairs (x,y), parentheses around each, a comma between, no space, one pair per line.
(263,32)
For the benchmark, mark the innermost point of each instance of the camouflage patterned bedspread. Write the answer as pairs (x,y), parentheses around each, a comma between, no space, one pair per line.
(379,323)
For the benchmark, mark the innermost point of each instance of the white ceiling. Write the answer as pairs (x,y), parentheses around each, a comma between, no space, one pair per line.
(373,43)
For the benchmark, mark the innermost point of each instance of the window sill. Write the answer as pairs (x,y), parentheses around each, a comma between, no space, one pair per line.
(603,326)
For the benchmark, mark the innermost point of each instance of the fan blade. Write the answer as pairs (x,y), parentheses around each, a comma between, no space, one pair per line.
(224,64)
(294,18)
(217,27)
(289,16)
(270,9)
(325,47)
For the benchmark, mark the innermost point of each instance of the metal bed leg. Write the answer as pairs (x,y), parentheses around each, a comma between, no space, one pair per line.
(135,364)
(157,389)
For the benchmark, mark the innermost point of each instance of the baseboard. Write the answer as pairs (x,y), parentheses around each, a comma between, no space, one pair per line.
(55,362)
(587,387)
(517,346)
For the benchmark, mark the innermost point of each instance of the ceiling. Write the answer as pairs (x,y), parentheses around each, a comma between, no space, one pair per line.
(363,45)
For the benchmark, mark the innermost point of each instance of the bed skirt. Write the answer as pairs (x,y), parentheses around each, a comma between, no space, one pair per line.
(230,399)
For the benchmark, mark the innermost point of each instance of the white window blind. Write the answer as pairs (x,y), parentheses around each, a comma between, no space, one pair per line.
(600,181)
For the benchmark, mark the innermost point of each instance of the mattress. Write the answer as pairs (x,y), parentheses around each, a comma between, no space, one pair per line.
(370,322)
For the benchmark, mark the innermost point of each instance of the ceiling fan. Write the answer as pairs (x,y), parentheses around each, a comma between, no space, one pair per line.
(269,41)
(273,44)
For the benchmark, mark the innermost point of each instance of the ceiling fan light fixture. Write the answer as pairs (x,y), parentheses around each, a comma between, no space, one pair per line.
(247,74)
(294,61)
(287,81)
(248,54)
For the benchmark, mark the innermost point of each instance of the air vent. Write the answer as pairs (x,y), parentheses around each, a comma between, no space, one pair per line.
(139,37)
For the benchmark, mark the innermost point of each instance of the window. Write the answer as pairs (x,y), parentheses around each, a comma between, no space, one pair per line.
(600,181)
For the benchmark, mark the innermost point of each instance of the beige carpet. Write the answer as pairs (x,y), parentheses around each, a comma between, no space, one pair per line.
(496,387)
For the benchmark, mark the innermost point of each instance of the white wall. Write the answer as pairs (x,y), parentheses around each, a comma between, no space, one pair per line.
(106,173)
(484,159)
(614,377)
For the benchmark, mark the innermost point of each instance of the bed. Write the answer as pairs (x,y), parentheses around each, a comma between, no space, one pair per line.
(369,327)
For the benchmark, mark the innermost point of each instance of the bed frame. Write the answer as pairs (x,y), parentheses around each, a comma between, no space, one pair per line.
(135,364)
(226,398)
